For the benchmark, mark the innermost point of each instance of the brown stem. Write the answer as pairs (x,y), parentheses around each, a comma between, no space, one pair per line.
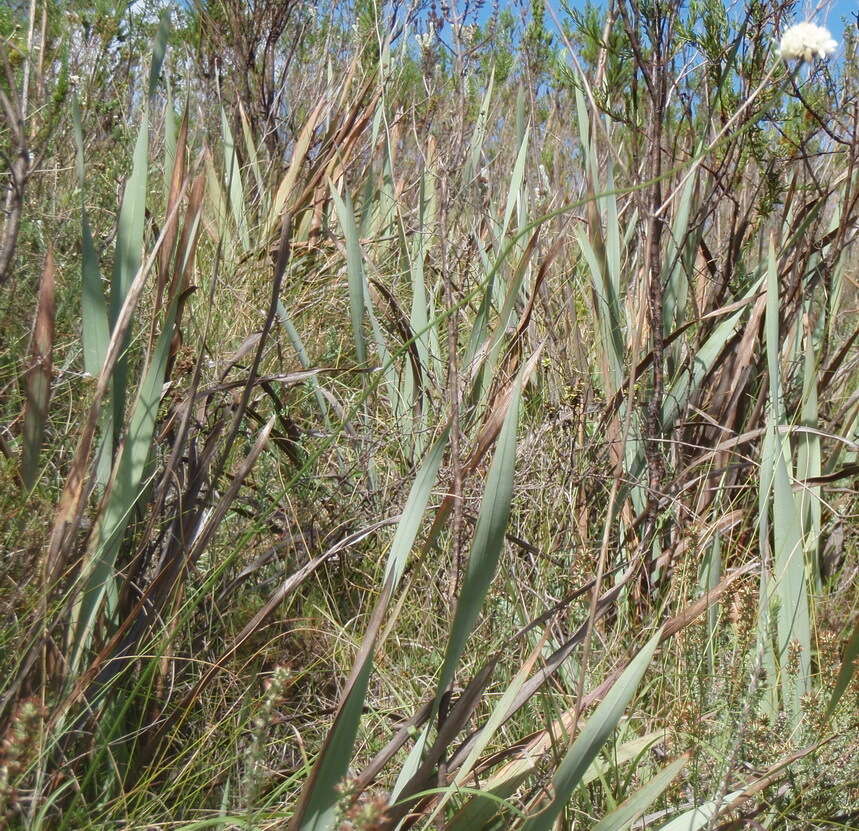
(19,169)
(655,289)
(13,208)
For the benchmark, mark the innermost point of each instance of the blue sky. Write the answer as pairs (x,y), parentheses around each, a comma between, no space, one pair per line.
(829,13)
(833,20)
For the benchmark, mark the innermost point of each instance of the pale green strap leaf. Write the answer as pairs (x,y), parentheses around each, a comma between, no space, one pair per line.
(634,806)
(128,256)
(94,331)
(124,493)
(608,312)
(411,765)
(687,383)
(488,542)
(479,134)
(593,736)
(794,630)
(608,203)
(848,669)
(504,783)
(697,818)
(389,369)
(319,801)
(170,138)
(413,512)
(808,461)
(677,284)
(233,180)
(515,184)
(159,50)
(482,807)
(253,158)
(354,267)
(129,241)
(304,359)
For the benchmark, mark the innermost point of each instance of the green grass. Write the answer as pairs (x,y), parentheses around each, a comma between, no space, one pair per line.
(406,451)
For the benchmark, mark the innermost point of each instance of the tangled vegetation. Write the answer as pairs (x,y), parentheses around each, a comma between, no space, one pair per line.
(434,417)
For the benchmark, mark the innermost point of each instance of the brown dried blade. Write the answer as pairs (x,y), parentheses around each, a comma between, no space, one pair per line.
(170,228)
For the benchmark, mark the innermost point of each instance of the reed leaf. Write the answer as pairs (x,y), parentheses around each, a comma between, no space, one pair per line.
(233,182)
(699,817)
(487,544)
(478,136)
(789,581)
(354,268)
(635,805)
(121,500)
(38,378)
(94,329)
(319,797)
(592,737)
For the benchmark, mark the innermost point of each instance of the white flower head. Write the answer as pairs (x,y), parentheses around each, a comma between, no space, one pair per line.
(806,41)
(424,41)
(468,34)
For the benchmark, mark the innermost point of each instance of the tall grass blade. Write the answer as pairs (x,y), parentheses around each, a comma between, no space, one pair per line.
(94,329)
(493,723)
(766,645)
(412,763)
(304,359)
(634,806)
(354,267)
(121,499)
(488,542)
(794,634)
(253,158)
(516,180)
(687,383)
(38,380)
(607,202)
(299,154)
(712,574)
(233,181)
(849,664)
(592,737)
(419,321)
(423,307)
(505,782)
(809,464)
(677,256)
(479,811)
(480,128)
(170,139)
(166,253)
(127,258)
(388,366)
(697,818)
(218,214)
(319,797)
(607,308)
(159,52)
(132,216)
